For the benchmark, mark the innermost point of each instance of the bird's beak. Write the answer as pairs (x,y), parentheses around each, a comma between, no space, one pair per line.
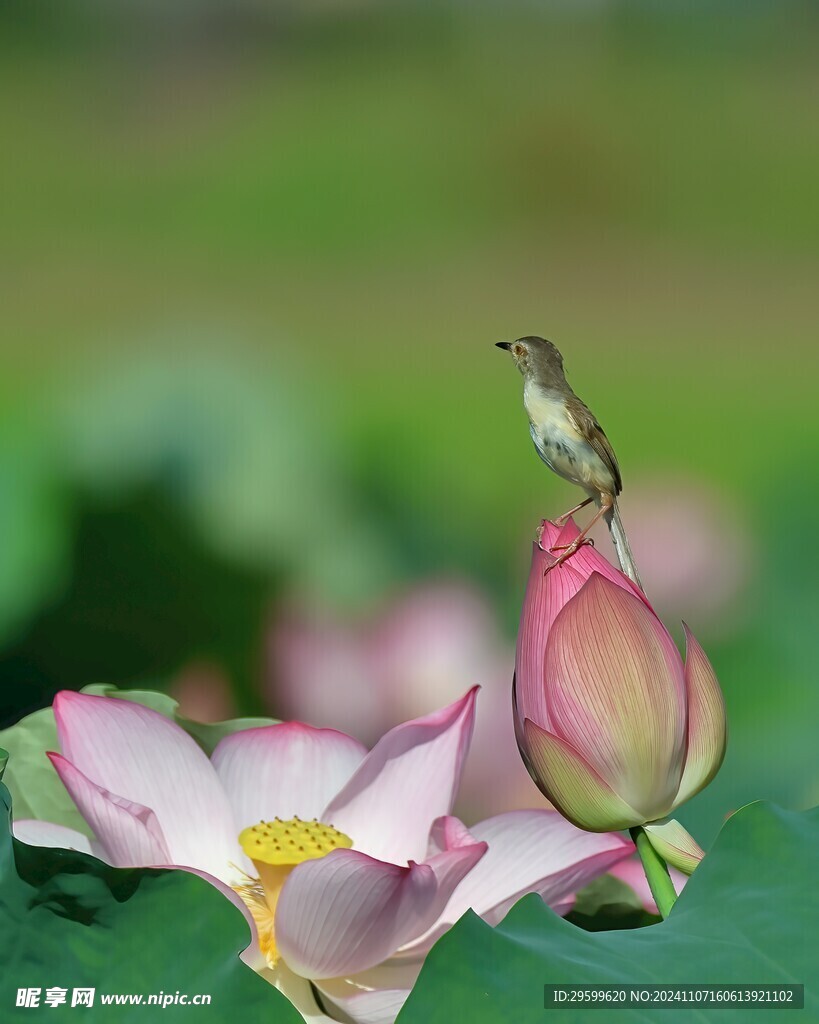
(504,344)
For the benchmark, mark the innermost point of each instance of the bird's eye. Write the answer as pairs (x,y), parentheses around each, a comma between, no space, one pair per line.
(518,351)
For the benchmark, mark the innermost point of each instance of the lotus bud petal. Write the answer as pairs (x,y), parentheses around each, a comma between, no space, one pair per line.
(674,844)
(707,732)
(611,725)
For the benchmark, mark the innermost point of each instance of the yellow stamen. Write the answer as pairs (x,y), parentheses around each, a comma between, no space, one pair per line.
(276,847)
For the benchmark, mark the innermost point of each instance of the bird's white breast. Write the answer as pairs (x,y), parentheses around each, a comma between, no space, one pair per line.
(547,412)
(558,441)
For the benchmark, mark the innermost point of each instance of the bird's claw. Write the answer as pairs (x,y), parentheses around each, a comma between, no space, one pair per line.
(568,550)
(579,542)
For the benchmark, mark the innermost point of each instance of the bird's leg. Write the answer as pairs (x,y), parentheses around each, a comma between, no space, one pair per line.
(562,519)
(569,550)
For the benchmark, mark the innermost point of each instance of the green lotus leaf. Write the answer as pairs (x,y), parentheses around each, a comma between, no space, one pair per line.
(69,921)
(744,917)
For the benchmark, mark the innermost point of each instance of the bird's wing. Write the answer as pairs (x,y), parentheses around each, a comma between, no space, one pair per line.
(591,430)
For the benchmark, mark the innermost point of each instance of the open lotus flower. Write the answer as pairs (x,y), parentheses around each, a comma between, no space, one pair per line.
(347,862)
(613,727)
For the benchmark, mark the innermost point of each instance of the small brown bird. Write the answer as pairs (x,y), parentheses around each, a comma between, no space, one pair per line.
(570,441)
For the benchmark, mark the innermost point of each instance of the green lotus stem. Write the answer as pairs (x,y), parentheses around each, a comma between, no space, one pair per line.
(656,869)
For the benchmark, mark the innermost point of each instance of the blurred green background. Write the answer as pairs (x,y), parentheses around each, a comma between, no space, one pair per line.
(254,260)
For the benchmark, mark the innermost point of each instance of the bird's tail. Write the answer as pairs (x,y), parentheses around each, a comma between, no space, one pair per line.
(621,545)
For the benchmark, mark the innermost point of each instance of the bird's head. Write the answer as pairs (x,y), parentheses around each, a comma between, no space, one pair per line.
(534,355)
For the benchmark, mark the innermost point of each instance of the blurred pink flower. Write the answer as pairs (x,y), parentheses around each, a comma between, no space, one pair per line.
(692,546)
(611,724)
(422,649)
(378,870)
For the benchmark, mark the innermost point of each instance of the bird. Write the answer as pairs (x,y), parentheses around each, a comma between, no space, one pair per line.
(569,439)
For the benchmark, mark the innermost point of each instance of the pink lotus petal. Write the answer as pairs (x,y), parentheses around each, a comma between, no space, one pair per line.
(408,779)
(616,693)
(284,770)
(347,912)
(587,560)
(674,844)
(44,833)
(547,592)
(143,757)
(573,786)
(371,997)
(536,851)
(551,535)
(706,721)
(529,851)
(632,874)
(454,864)
(127,831)
(448,833)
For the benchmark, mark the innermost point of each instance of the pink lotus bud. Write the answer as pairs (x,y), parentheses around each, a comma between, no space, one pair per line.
(615,730)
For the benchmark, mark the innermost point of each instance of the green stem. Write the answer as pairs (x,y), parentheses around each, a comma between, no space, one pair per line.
(659,881)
